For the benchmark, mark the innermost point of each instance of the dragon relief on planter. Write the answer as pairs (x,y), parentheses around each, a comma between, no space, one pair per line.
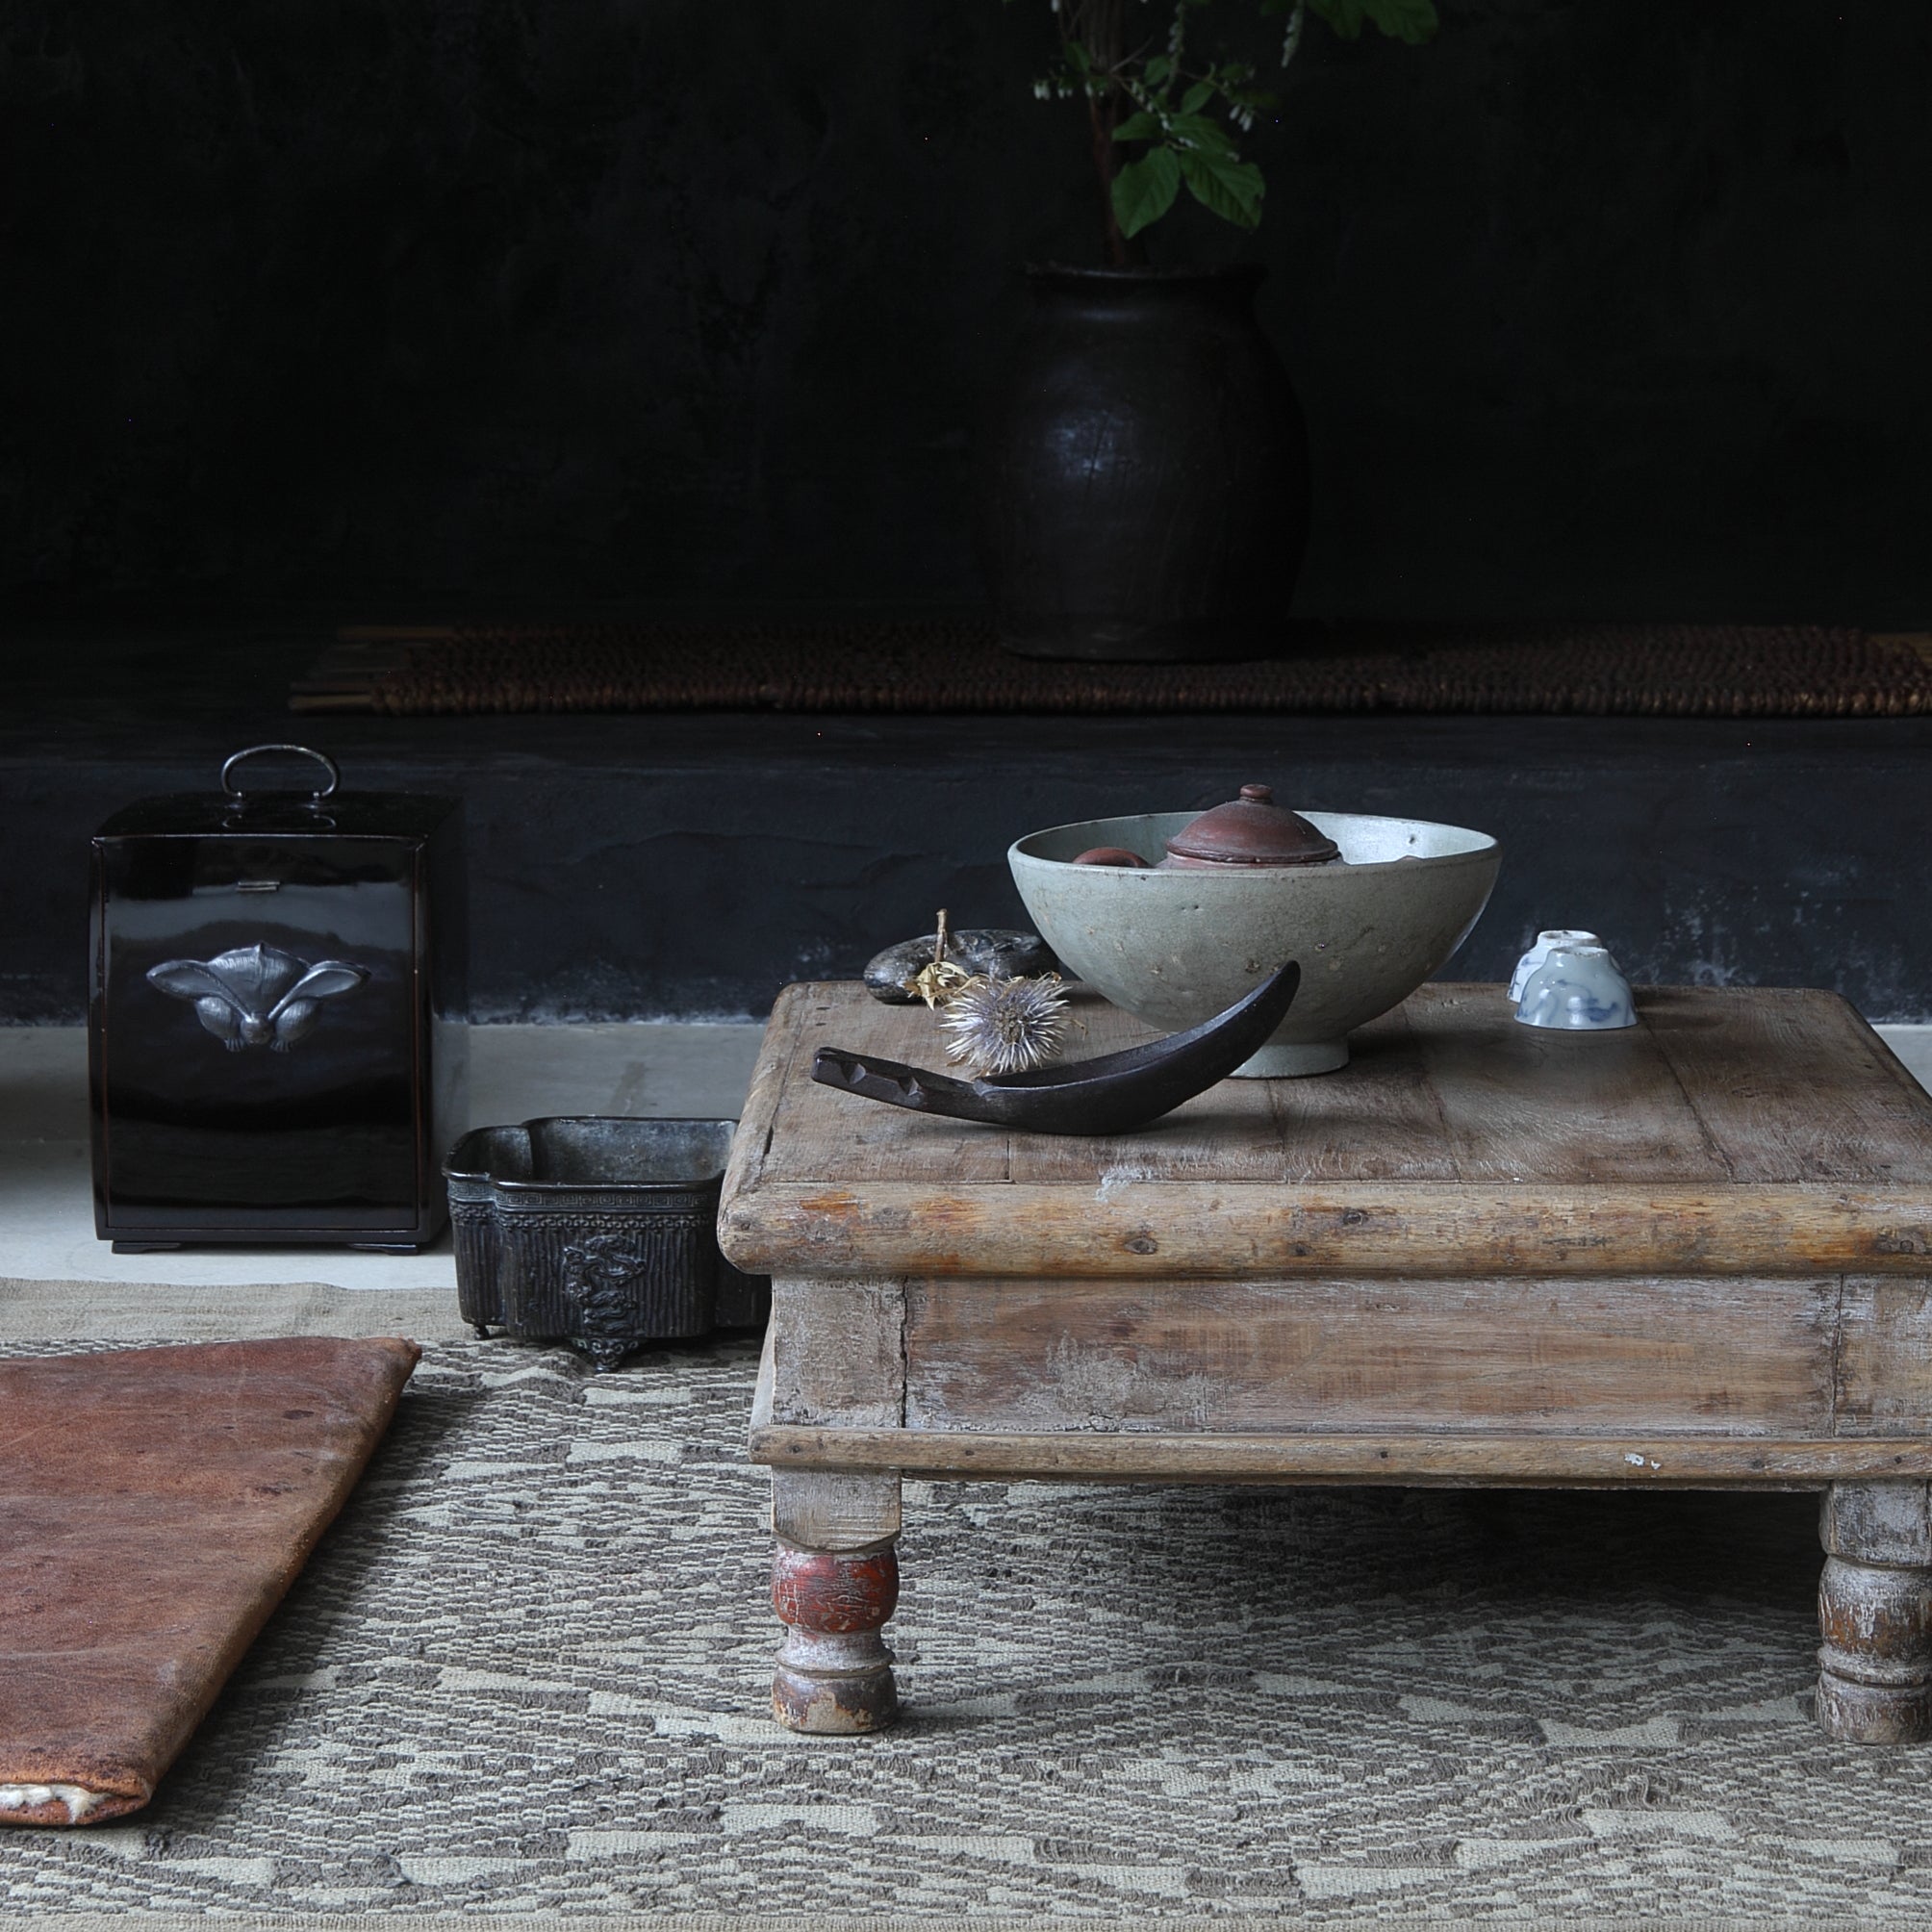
(256,996)
(601,1274)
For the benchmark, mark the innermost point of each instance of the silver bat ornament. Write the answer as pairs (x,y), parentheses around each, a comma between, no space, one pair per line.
(256,996)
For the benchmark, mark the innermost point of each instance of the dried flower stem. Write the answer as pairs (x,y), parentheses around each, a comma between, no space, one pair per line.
(939,978)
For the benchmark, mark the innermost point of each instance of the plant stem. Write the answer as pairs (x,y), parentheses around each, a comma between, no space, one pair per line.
(1123,252)
(1100,26)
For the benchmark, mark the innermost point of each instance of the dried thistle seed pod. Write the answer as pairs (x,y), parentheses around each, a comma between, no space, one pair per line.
(1005,1025)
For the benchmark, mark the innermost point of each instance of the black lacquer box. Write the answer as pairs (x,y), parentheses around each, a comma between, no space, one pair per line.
(275,1032)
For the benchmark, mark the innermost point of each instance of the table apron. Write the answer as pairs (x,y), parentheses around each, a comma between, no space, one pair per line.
(1745,1379)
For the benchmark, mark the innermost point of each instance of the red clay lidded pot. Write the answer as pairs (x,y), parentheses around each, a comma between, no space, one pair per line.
(1248,831)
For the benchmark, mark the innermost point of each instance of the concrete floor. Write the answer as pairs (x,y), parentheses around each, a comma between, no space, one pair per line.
(516,1073)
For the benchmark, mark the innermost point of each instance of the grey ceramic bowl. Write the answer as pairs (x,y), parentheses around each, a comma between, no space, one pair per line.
(1175,947)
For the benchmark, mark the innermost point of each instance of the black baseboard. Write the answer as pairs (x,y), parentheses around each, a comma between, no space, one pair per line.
(683,867)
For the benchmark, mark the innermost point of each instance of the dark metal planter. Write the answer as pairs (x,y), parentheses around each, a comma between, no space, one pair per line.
(598,1231)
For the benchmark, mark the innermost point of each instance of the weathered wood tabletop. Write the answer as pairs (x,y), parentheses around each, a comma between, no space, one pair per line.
(1732,1129)
(1696,1252)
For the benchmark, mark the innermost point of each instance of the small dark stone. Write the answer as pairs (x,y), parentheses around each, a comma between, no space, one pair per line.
(998,953)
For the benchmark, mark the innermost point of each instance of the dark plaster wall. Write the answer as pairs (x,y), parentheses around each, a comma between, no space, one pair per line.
(694,869)
(1597,308)
(628,866)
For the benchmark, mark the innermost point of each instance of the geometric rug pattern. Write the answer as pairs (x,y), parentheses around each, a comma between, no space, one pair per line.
(526,1673)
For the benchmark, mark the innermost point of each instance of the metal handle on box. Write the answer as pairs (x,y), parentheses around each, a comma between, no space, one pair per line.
(322,758)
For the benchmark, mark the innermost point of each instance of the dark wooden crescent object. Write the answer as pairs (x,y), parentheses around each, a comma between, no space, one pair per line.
(1113,1093)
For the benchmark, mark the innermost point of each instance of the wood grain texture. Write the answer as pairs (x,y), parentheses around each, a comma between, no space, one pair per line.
(1520,1460)
(1538,1104)
(1695,1254)
(1885,1523)
(1208,1229)
(1793,1086)
(1229,1131)
(837,1351)
(1383,1122)
(835,1509)
(766,1380)
(1874,1683)
(1572,1357)
(1735,1131)
(1885,1355)
(818,1131)
(1874,1679)
(751,1142)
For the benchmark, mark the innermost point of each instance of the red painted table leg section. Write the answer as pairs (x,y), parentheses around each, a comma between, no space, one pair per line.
(834,1675)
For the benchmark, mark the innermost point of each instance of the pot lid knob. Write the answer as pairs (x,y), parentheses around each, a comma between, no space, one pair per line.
(1252,830)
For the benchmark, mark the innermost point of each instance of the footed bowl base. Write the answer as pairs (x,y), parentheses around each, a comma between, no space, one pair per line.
(1292,1060)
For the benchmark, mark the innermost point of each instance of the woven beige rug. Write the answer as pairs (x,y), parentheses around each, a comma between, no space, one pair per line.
(524,1678)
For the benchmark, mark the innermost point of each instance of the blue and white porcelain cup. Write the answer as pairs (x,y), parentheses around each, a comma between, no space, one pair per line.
(1540,951)
(1579,988)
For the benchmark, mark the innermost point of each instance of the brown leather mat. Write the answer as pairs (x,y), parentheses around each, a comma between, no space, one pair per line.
(1690,671)
(155,1506)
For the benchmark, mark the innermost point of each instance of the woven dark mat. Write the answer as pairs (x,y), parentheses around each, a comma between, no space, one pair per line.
(1690,671)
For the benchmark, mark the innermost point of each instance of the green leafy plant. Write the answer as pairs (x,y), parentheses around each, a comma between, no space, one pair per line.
(1163,118)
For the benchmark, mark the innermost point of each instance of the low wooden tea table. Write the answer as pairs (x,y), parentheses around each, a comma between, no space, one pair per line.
(1695,1254)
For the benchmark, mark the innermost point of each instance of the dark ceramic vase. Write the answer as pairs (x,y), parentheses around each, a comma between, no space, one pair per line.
(1144,482)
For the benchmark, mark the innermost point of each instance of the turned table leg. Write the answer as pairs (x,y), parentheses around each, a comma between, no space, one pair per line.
(834,1582)
(1874,1683)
